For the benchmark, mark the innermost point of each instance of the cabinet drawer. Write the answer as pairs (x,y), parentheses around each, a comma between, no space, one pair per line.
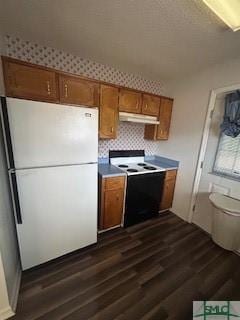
(171,175)
(114,183)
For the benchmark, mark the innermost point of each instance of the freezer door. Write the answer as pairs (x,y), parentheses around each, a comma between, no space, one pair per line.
(46,134)
(58,211)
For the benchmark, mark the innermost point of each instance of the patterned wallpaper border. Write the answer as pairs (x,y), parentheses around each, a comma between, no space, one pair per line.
(130,135)
(54,58)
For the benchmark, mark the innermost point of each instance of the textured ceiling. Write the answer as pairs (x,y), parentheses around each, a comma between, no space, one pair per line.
(157,39)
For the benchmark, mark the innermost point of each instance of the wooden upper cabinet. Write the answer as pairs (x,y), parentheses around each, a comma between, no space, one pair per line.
(161,131)
(29,82)
(150,105)
(165,119)
(150,132)
(108,113)
(130,101)
(74,90)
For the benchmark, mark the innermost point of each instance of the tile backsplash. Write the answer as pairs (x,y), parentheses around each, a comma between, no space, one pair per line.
(130,135)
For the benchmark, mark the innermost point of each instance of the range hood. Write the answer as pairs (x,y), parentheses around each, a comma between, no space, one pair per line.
(139,118)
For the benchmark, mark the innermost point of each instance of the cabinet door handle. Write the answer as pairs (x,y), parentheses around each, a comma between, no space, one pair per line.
(48,88)
(15,82)
(66,90)
(111,129)
(146,106)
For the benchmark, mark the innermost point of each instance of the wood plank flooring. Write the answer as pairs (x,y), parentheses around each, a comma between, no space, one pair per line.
(153,270)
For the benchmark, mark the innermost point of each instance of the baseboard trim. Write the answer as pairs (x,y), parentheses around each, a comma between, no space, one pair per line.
(13,299)
(6,313)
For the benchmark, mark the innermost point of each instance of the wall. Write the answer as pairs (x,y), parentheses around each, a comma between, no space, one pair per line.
(191,96)
(2,52)
(8,243)
(130,136)
(24,50)
(5,310)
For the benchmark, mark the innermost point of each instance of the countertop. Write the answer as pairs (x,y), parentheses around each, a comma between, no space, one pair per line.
(162,164)
(107,170)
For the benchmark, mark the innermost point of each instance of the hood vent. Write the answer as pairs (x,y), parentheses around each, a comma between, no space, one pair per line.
(139,118)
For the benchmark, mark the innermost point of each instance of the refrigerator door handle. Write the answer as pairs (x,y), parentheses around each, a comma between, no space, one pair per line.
(7,133)
(16,196)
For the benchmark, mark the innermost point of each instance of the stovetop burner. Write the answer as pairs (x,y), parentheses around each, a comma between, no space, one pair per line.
(149,168)
(132,170)
(141,164)
(132,162)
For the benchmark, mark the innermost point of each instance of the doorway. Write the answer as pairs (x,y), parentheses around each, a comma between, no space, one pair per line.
(206,180)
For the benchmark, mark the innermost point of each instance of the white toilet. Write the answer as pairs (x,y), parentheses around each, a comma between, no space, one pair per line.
(226,221)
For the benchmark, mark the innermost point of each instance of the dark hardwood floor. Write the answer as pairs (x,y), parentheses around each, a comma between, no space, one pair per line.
(153,270)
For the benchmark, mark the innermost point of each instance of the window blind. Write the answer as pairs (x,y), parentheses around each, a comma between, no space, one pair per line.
(227,159)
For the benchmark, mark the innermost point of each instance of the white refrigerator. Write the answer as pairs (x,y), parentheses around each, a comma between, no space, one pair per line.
(52,160)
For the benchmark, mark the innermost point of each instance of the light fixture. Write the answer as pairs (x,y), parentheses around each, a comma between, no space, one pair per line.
(227,10)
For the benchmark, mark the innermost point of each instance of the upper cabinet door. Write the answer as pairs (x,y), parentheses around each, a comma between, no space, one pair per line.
(150,105)
(29,82)
(130,101)
(165,118)
(108,112)
(74,90)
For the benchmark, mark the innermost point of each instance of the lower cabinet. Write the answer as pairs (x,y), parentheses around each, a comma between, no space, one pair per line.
(168,190)
(111,201)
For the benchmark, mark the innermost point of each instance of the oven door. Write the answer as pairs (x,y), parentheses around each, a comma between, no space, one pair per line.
(144,192)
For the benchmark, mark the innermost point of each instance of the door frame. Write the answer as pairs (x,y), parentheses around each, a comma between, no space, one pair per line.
(203,147)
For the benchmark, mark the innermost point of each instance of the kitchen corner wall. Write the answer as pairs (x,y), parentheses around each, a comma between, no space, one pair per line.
(2,52)
(9,259)
(191,98)
(130,136)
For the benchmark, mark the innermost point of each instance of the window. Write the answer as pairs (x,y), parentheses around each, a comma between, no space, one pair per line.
(227,159)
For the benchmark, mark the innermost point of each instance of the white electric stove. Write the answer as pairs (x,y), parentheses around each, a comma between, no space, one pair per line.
(144,185)
(133,165)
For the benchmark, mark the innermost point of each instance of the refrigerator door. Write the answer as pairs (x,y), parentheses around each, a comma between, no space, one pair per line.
(47,134)
(58,210)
